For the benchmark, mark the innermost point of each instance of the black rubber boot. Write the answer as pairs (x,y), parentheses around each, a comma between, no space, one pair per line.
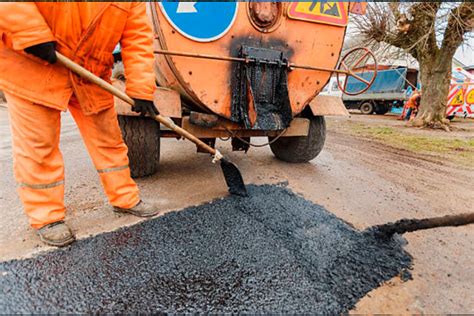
(56,234)
(142,209)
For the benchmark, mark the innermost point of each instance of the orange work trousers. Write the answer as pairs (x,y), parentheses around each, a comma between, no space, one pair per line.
(38,163)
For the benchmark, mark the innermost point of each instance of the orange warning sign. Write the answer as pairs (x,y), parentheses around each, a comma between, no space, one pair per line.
(458,98)
(470,97)
(334,13)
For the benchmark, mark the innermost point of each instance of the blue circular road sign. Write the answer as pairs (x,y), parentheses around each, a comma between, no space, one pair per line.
(200,21)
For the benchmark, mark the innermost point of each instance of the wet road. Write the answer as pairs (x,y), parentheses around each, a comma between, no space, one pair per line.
(362,183)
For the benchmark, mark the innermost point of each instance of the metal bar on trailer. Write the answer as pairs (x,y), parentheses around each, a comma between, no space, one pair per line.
(243,60)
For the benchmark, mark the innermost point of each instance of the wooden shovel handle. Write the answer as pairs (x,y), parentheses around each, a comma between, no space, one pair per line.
(411,225)
(86,74)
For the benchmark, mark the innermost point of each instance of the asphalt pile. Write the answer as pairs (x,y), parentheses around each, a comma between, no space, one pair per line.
(273,251)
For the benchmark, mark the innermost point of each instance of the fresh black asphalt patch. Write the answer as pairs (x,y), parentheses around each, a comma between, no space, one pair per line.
(271,252)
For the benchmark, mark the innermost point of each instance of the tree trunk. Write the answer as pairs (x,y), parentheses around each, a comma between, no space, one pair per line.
(435,80)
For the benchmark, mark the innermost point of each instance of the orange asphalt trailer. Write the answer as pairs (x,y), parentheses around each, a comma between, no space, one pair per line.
(260,75)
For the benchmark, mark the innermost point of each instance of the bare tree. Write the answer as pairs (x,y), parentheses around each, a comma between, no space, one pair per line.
(431,32)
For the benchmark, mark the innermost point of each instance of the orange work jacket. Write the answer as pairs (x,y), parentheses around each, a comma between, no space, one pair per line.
(87,33)
(411,103)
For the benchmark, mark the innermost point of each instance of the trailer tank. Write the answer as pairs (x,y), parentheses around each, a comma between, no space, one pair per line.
(245,69)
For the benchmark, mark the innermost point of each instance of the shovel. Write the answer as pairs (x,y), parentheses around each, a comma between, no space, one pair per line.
(232,175)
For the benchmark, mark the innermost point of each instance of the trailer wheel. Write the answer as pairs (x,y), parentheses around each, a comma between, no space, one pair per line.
(142,137)
(302,148)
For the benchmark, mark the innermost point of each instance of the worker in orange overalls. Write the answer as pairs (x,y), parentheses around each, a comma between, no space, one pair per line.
(37,89)
(412,105)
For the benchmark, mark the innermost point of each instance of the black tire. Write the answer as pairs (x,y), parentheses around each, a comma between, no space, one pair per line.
(302,148)
(142,137)
(366,108)
(381,109)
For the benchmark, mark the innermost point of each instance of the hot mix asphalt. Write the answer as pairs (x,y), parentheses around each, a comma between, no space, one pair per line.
(273,251)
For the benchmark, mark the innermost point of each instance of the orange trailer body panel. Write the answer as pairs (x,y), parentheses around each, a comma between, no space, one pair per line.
(207,84)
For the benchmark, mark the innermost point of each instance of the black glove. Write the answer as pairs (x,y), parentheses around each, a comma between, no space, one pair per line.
(145,107)
(45,51)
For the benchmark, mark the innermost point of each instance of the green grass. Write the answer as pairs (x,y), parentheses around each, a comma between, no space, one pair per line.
(457,150)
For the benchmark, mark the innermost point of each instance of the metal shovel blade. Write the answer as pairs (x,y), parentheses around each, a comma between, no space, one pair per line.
(233,178)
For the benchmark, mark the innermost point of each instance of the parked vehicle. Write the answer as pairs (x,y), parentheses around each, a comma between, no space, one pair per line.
(236,70)
(332,88)
(461,94)
(391,88)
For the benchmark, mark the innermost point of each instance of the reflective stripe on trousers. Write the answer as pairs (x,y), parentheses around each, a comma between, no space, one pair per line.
(38,162)
(41,186)
(106,170)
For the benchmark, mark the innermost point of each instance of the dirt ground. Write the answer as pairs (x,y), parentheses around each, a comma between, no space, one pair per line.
(362,176)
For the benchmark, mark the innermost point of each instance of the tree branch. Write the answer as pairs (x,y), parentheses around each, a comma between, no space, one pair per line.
(461,21)
(395,8)
(413,31)
(424,30)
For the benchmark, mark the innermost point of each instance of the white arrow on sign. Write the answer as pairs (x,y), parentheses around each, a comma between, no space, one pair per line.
(186,7)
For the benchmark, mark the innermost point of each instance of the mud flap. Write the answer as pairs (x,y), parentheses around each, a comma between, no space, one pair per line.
(260,97)
(324,105)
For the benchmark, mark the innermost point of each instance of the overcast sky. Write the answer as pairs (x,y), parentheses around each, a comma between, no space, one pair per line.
(466,53)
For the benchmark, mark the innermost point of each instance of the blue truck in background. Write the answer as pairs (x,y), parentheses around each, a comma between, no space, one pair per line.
(391,88)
